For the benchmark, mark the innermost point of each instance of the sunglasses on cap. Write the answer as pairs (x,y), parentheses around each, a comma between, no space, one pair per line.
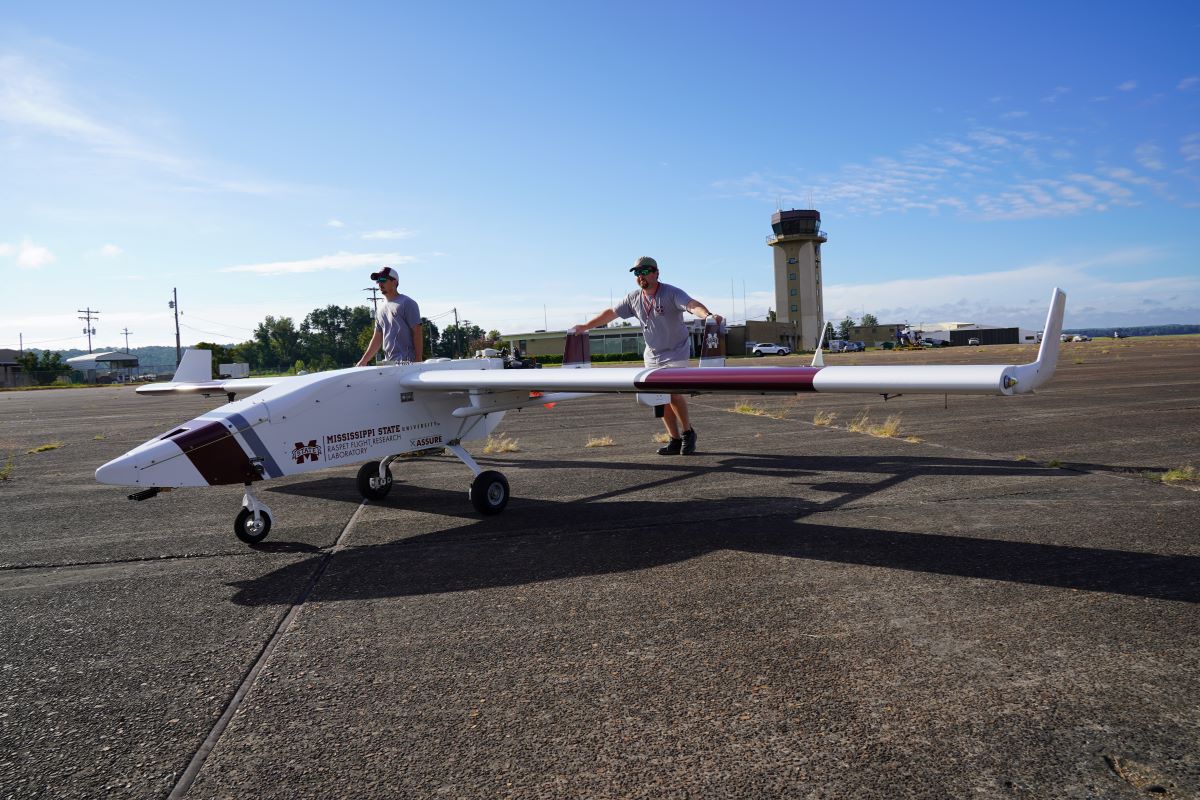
(644,271)
(384,279)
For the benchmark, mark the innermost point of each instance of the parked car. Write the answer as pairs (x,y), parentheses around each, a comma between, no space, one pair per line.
(769,349)
(855,347)
(1079,337)
(972,341)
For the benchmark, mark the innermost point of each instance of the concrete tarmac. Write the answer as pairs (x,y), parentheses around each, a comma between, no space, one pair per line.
(1006,608)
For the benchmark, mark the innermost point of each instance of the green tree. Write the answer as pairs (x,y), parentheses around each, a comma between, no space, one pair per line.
(43,369)
(429,333)
(330,335)
(456,339)
(830,334)
(279,341)
(771,315)
(844,327)
(869,320)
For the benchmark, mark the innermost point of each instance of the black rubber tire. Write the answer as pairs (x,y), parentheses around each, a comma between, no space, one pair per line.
(365,473)
(489,492)
(243,526)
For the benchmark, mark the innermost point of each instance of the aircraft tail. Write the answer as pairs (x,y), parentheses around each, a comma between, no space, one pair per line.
(194,367)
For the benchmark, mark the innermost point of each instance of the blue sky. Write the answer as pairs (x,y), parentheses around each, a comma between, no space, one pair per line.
(512,160)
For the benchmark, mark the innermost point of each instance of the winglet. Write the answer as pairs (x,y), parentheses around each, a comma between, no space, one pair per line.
(1031,376)
(194,367)
(819,357)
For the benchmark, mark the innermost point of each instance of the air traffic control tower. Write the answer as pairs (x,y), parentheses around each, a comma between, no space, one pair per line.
(797,238)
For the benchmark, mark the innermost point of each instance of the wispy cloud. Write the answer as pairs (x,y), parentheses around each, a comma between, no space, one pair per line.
(1149,155)
(28,255)
(1056,94)
(337,261)
(1189,83)
(994,172)
(31,100)
(1020,295)
(336,223)
(1127,86)
(1189,147)
(111,251)
(395,233)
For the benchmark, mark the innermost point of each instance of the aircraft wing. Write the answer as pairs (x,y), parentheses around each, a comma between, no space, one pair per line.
(1003,379)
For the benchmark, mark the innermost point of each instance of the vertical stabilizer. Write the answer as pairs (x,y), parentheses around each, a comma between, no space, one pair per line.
(194,367)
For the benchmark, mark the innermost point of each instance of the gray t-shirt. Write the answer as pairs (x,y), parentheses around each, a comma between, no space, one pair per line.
(396,318)
(661,316)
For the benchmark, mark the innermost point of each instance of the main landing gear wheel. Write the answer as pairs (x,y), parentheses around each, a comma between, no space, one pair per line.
(369,473)
(248,530)
(489,492)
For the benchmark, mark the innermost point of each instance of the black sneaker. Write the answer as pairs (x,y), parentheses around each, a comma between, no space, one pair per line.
(671,448)
(689,442)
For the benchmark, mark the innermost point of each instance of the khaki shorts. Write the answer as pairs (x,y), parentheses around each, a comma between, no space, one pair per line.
(679,363)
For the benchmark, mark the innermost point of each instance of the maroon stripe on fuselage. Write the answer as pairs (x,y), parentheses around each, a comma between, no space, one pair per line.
(216,454)
(750,379)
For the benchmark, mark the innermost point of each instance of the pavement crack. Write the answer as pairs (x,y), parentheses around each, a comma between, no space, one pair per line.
(192,771)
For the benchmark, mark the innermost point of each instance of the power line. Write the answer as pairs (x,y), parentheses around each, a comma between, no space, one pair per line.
(210,333)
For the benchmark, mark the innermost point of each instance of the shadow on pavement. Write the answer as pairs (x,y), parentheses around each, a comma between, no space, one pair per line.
(538,540)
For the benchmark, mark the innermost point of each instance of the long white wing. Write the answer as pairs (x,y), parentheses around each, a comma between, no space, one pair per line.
(1004,379)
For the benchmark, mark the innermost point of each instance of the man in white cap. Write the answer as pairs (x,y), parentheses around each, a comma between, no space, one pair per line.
(659,307)
(397,323)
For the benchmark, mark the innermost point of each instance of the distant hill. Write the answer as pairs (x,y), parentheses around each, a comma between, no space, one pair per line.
(1138,330)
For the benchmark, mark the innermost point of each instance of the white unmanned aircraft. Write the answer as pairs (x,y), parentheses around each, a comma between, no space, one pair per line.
(376,414)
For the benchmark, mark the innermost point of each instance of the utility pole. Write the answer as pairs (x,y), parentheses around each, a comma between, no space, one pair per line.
(22,343)
(126,332)
(88,314)
(174,303)
(457,332)
(374,290)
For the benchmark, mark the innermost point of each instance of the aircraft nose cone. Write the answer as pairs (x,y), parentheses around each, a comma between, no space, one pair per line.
(118,472)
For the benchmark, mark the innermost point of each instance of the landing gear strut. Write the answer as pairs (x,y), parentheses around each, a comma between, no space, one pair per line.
(253,522)
(375,479)
(489,491)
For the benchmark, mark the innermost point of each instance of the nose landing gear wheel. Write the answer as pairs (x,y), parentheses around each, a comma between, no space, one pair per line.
(369,473)
(489,492)
(248,530)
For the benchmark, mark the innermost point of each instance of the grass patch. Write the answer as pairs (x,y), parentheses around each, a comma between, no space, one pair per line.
(98,437)
(1079,361)
(1188,474)
(1054,462)
(501,444)
(599,441)
(6,468)
(888,429)
(1022,458)
(755,410)
(41,448)
(913,439)
(824,418)
(662,438)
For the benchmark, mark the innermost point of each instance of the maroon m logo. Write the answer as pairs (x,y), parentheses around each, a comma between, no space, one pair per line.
(311,451)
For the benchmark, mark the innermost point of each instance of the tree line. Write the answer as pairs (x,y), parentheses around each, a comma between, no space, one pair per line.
(336,336)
